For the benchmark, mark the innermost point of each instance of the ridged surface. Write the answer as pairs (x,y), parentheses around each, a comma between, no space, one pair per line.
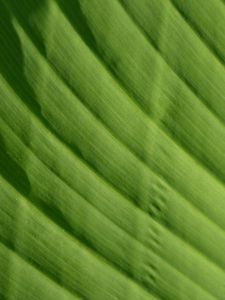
(112,149)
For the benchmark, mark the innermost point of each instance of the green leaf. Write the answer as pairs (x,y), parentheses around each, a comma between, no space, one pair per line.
(112,142)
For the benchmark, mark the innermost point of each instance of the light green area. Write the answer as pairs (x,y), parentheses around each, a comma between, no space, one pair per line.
(112,143)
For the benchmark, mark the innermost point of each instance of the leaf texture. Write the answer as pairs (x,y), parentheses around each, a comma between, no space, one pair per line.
(112,142)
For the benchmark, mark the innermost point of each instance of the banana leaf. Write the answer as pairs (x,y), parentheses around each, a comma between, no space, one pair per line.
(112,149)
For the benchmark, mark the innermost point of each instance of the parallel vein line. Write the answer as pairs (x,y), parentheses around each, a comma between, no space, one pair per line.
(123,272)
(134,154)
(88,249)
(194,28)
